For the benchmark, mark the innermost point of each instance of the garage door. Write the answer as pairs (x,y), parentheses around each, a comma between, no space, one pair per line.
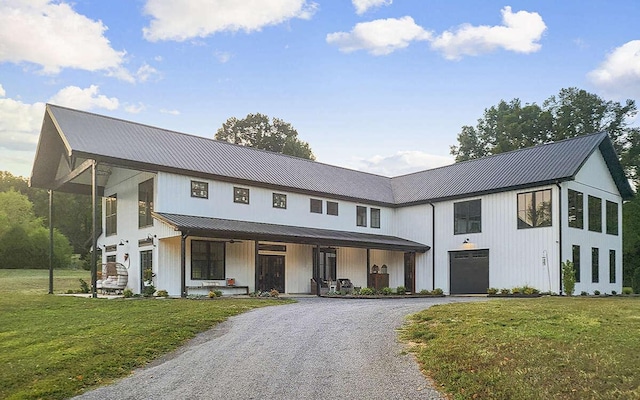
(469,271)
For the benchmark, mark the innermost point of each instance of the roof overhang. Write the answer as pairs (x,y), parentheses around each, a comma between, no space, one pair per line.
(232,229)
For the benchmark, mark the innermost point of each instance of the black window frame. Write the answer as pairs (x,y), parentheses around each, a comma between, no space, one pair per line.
(545,223)
(240,195)
(374,218)
(595,265)
(595,214)
(361,216)
(463,217)
(200,189)
(111,215)
(145,203)
(611,213)
(332,207)
(208,269)
(612,266)
(328,263)
(576,261)
(279,200)
(576,209)
(315,206)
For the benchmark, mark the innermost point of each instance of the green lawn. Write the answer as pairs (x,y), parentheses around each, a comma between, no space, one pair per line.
(55,347)
(545,348)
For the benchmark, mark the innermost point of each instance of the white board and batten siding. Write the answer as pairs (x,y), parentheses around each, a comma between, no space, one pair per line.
(594,179)
(517,257)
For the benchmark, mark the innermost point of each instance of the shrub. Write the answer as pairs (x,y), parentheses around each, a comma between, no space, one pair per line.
(437,292)
(627,290)
(367,291)
(425,292)
(274,293)
(568,277)
(162,293)
(401,290)
(356,291)
(386,291)
(215,293)
(492,291)
(515,290)
(583,293)
(529,290)
(148,291)
(69,291)
(84,286)
(613,292)
(505,291)
(127,293)
(596,293)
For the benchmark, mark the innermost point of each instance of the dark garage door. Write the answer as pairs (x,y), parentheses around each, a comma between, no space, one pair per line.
(469,271)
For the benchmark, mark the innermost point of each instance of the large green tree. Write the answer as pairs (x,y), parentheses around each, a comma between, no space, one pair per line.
(257,130)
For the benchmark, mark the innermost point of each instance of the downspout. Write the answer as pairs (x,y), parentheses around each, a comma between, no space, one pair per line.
(183,264)
(559,237)
(50,241)
(433,246)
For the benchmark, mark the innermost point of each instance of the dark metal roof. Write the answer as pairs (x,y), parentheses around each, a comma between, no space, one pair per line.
(232,229)
(82,135)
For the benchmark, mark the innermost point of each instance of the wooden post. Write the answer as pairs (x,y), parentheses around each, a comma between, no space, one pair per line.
(256,263)
(183,265)
(317,270)
(368,267)
(94,236)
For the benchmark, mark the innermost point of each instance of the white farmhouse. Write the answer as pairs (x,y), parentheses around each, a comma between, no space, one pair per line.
(199,212)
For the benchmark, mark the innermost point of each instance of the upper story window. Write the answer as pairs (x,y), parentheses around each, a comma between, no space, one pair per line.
(467,217)
(145,203)
(375,218)
(361,216)
(332,208)
(111,212)
(200,189)
(279,200)
(534,209)
(576,209)
(612,218)
(316,206)
(241,195)
(595,214)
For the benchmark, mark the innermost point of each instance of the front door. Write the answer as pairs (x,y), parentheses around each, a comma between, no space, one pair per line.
(271,273)
(410,272)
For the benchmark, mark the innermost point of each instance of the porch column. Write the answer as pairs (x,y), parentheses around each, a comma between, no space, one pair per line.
(368,267)
(256,262)
(183,265)
(50,241)
(317,270)
(94,224)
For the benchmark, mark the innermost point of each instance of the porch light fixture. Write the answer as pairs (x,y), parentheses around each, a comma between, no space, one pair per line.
(467,245)
(122,242)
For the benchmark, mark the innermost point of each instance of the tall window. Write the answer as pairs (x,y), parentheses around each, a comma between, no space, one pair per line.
(111,212)
(595,265)
(612,266)
(612,218)
(576,262)
(467,217)
(241,195)
(200,189)
(375,218)
(595,214)
(207,260)
(326,270)
(146,262)
(315,206)
(332,208)
(279,200)
(361,216)
(576,209)
(534,209)
(145,203)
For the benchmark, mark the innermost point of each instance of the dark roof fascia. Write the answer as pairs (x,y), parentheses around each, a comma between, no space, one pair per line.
(364,244)
(615,169)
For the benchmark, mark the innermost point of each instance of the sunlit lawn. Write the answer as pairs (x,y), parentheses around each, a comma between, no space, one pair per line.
(546,348)
(54,347)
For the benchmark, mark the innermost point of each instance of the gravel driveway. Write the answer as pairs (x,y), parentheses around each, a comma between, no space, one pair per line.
(314,349)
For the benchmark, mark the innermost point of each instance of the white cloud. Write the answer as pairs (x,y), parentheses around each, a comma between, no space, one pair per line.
(145,72)
(84,99)
(520,33)
(222,56)
(620,71)
(401,163)
(171,112)
(363,5)
(379,37)
(184,19)
(2,92)
(53,35)
(135,108)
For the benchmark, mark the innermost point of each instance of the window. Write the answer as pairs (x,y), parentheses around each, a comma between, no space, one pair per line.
(241,195)
(200,189)
(279,200)
(576,262)
(576,209)
(111,258)
(595,214)
(146,262)
(111,213)
(361,216)
(316,206)
(145,203)
(332,208)
(612,266)
(612,218)
(326,270)
(534,209)
(595,265)
(375,218)
(207,260)
(467,217)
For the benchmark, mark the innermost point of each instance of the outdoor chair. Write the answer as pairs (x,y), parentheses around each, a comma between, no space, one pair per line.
(114,278)
(345,286)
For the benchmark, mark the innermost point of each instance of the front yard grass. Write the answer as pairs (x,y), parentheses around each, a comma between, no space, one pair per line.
(55,347)
(546,348)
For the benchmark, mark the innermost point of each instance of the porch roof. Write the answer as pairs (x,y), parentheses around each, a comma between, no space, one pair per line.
(233,229)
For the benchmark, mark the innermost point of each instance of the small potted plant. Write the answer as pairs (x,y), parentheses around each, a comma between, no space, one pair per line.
(147,276)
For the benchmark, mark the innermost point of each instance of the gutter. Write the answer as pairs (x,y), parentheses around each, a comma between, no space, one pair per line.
(433,245)
(559,237)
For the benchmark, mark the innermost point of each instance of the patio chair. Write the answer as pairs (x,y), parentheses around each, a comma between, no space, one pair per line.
(114,278)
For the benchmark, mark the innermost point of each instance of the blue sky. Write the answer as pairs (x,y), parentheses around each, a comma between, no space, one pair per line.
(378,85)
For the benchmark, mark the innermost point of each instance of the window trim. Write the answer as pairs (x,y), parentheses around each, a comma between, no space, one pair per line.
(206,276)
(467,217)
(279,200)
(595,224)
(331,204)
(145,205)
(317,203)
(361,216)
(577,211)
(241,195)
(522,223)
(199,193)
(609,212)
(111,215)
(374,222)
